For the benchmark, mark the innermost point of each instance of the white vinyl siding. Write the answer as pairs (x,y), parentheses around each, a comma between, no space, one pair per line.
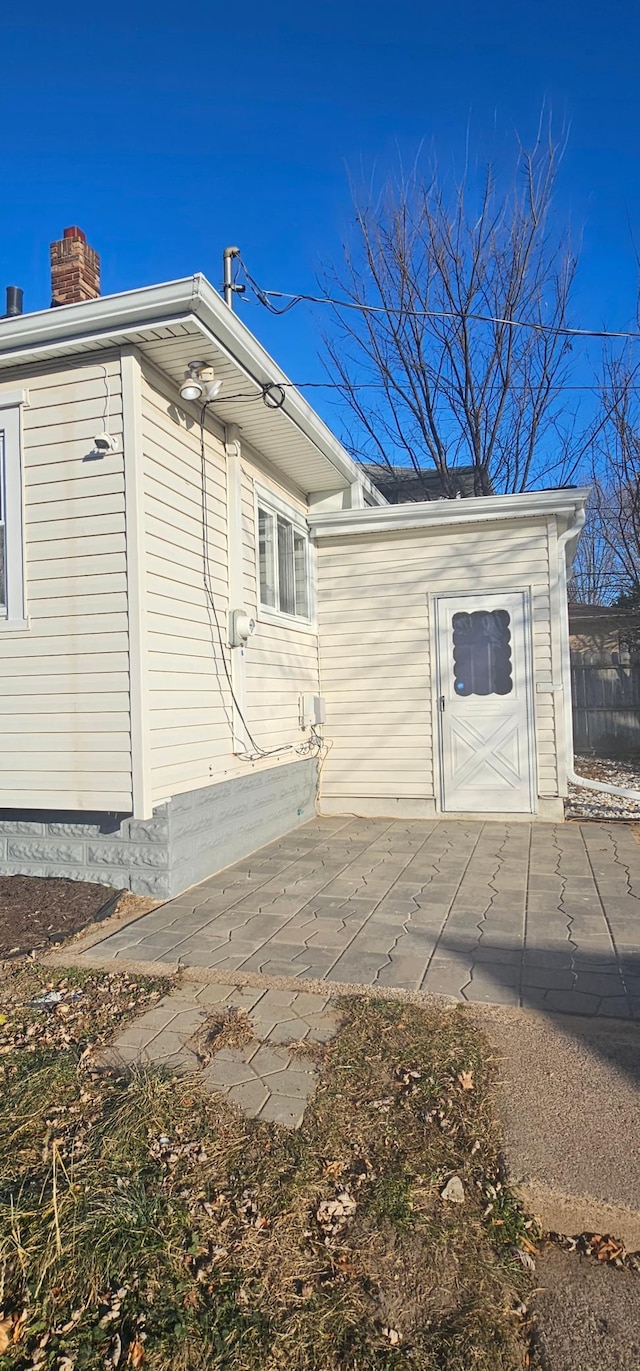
(64,681)
(189,702)
(376,667)
(190,707)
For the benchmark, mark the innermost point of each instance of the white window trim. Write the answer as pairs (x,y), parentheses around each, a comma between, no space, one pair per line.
(273,504)
(13,616)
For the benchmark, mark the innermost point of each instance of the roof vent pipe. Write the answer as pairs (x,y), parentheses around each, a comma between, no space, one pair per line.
(14,302)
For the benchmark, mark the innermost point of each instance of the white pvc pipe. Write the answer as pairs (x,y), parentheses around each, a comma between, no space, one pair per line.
(573,533)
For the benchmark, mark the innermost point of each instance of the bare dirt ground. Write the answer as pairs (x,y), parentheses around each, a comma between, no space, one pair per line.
(37,912)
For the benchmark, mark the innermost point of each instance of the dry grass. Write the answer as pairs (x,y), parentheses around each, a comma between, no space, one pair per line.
(229,1028)
(146,1223)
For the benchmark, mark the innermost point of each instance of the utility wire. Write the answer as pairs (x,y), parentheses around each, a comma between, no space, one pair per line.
(265,298)
(315,744)
(211,600)
(376,385)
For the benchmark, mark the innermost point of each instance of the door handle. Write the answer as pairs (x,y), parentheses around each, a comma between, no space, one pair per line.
(441,704)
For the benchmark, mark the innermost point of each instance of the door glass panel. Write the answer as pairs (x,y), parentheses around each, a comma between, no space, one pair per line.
(482,653)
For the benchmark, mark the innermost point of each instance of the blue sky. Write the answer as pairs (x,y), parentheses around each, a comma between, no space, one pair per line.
(167,131)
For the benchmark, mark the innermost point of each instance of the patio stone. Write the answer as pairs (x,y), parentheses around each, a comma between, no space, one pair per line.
(265,1061)
(292,1083)
(377,901)
(445,978)
(283,1110)
(616,1007)
(358,968)
(404,972)
(572,1002)
(322,1027)
(547,978)
(490,992)
(497,955)
(250,1096)
(593,983)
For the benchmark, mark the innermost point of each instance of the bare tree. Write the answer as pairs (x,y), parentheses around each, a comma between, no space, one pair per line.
(616,467)
(595,575)
(427,382)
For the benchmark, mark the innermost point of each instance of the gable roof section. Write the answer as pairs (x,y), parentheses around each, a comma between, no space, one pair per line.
(172,324)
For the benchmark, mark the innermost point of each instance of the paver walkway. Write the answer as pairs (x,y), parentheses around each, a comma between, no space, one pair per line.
(539,915)
(268,1074)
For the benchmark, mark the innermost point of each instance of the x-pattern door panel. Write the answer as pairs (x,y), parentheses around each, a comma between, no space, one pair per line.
(484,703)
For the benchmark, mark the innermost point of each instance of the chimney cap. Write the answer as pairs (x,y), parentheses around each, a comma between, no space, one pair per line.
(75,232)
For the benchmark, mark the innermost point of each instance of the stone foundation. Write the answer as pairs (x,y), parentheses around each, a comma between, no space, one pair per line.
(189,838)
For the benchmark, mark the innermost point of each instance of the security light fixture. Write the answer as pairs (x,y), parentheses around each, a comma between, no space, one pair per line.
(199,383)
(105,442)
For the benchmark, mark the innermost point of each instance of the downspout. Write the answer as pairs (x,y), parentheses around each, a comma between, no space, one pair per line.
(571,534)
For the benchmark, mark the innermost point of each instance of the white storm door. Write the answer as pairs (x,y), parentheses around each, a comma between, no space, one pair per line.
(484,703)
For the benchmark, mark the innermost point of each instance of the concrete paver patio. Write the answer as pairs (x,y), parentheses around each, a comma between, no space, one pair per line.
(540,915)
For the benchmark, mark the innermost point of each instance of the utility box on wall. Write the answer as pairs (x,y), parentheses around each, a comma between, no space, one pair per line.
(313,711)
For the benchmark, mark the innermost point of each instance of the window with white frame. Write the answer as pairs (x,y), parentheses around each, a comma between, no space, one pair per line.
(11,550)
(283,561)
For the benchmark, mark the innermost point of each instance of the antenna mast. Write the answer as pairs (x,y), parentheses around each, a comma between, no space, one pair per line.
(229,288)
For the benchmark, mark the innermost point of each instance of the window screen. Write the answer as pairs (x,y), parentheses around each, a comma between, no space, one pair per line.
(482,653)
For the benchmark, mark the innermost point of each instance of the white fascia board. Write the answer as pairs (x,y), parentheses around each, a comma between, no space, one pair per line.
(103,318)
(441,513)
(112,317)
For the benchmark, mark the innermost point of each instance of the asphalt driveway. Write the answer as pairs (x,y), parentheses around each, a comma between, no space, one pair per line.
(539,915)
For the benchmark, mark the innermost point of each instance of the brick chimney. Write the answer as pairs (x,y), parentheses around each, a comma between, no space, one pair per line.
(75,269)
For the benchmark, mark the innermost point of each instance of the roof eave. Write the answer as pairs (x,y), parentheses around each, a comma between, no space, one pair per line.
(112,317)
(440,513)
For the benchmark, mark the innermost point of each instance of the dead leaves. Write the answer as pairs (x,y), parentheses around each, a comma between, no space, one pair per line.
(604,1247)
(250,1211)
(524,1257)
(408,1077)
(59,1015)
(334,1169)
(465,1079)
(11,1326)
(453,1192)
(334,1216)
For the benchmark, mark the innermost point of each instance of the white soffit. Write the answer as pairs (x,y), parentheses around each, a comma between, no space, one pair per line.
(172,325)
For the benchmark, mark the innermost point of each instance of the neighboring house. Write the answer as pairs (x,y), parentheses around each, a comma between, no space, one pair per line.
(402,484)
(149,738)
(603,628)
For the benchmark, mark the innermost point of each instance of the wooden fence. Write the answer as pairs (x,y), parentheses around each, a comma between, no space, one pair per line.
(605,689)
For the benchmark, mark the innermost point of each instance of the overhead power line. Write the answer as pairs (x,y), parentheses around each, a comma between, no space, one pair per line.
(265,298)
